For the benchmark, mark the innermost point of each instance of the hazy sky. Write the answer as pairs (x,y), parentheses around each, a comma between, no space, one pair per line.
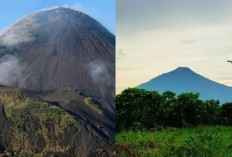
(101,10)
(157,36)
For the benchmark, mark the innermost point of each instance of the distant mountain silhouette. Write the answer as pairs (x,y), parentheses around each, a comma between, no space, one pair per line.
(184,79)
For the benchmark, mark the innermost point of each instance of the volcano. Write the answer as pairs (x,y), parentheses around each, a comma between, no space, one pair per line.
(67,61)
(184,79)
(63,48)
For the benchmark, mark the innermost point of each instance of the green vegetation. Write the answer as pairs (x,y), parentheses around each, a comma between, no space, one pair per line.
(140,109)
(97,107)
(213,141)
(94,105)
(34,126)
(151,124)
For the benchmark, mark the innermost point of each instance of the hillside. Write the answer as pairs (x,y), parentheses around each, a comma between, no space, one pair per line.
(31,126)
(85,107)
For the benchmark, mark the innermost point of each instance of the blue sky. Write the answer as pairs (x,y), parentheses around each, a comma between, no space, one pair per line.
(101,10)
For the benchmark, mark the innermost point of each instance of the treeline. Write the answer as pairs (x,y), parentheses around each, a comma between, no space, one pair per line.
(141,109)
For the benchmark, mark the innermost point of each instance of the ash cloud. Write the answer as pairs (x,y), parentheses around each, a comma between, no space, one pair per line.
(20,32)
(99,71)
(10,70)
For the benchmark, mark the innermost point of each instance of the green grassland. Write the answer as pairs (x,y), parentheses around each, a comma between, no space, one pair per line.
(201,141)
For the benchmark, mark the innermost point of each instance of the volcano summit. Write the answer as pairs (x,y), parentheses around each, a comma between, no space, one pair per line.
(67,59)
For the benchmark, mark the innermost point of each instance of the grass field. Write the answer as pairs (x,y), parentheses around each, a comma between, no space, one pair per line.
(202,141)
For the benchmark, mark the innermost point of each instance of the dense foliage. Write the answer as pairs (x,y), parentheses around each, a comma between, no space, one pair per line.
(140,109)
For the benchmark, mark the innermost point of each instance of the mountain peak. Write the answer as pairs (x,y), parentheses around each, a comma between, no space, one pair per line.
(61,10)
(183,69)
(63,13)
(183,79)
(44,22)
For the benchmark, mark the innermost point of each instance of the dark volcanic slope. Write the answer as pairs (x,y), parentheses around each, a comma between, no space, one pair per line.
(184,79)
(33,127)
(63,48)
(86,108)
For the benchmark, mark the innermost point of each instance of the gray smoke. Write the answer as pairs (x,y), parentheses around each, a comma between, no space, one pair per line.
(19,32)
(10,70)
(99,71)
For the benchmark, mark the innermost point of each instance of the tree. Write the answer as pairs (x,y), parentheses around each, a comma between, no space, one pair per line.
(210,112)
(226,113)
(189,107)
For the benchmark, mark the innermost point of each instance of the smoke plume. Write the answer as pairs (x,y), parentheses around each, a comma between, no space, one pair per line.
(10,70)
(99,71)
(19,32)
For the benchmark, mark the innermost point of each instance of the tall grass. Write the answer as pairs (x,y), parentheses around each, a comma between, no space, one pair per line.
(202,141)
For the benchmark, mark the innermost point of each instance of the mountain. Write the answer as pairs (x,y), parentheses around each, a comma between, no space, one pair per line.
(184,79)
(57,85)
(63,48)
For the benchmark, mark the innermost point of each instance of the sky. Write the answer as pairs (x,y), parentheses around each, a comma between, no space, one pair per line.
(158,36)
(101,10)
